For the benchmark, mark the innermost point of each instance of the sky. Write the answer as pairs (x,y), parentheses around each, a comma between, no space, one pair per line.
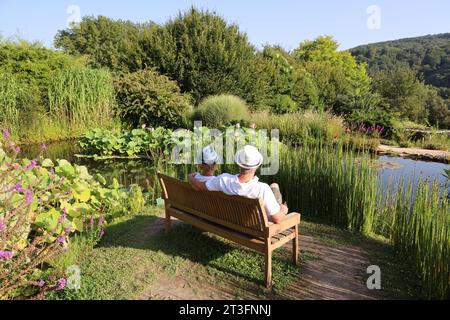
(276,22)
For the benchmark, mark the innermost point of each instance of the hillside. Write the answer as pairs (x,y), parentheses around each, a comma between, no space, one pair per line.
(430,55)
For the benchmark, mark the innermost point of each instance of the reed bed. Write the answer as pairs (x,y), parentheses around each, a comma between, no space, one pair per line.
(82,97)
(13,100)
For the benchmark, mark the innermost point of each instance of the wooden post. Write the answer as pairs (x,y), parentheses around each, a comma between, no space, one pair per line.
(295,246)
(268,275)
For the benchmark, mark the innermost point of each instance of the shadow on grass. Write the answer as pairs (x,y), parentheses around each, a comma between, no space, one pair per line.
(186,242)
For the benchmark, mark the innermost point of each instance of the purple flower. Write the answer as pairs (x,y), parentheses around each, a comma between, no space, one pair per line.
(2,226)
(62,217)
(5,255)
(6,134)
(18,188)
(67,231)
(40,283)
(61,284)
(91,222)
(17,150)
(28,196)
(101,220)
(62,179)
(102,233)
(31,165)
(43,147)
(61,239)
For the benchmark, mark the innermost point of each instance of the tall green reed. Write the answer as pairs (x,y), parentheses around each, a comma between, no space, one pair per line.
(82,97)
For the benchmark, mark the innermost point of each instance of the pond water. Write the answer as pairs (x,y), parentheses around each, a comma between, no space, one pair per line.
(141,171)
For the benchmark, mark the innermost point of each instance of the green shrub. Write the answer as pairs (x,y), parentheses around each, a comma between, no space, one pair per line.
(146,97)
(221,110)
(34,65)
(284,104)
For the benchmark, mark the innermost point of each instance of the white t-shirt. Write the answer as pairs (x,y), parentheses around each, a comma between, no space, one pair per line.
(229,184)
(202,178)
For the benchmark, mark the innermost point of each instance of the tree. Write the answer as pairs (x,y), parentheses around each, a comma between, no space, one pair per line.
(402,93)
(108,43)
(204,54)
(290,87)
(335,72)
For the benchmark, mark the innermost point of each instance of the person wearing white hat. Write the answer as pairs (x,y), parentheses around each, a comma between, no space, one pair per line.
(209,164)
(246,183)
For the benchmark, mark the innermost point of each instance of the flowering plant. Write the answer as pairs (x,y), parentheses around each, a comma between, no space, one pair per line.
(41,204)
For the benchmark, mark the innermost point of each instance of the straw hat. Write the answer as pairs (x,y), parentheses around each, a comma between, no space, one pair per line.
(249,157)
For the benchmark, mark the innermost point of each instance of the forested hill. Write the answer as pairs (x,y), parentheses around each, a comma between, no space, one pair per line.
(430,55)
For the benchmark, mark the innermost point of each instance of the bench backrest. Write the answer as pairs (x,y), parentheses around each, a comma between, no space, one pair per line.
(235,212)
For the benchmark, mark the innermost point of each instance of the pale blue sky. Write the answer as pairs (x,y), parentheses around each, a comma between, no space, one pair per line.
(284,22)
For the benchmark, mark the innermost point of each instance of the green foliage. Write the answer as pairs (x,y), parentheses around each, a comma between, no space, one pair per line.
(114,44)
(403,94)
(334,72)
(138,142)
(34,65)
(41,205)
(204,54)
(82,97)
(288,86)
(428,54)
(221,110)
(146,97)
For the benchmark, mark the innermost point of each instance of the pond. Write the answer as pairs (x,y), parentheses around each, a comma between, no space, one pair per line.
(141,171)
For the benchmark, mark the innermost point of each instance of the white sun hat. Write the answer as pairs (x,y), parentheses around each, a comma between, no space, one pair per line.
(249,157)
(209,155)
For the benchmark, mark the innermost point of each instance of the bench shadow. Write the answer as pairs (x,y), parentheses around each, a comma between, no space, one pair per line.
(187,242)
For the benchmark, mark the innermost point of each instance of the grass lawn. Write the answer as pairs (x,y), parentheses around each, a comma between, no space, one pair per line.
(135,257)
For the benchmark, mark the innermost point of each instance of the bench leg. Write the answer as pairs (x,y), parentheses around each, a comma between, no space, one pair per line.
(168,222)
(295,246)
(268,274)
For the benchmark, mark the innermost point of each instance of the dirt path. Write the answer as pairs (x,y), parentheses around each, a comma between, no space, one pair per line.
(330,270)
(415,152)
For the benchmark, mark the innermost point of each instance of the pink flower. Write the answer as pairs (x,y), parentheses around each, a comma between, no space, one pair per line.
(253,126)
(61,239)
(28,196)
(61,284)
(91,222)
(43,147)
(6,134)
(101,220)
(102,233)
(2,225)
(5,255)
(31,165)
(40,283)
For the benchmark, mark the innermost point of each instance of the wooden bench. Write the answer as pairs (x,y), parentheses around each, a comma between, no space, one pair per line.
(238,219)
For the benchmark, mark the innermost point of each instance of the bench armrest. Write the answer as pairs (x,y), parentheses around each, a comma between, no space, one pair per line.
(290,220)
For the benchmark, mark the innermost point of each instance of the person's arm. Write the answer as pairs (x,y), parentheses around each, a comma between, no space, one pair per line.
(278,217)
(197,185)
